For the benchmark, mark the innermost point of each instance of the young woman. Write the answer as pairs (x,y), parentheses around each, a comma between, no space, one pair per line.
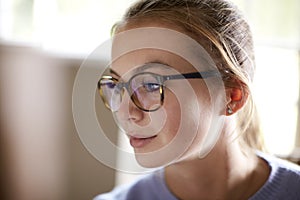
(179,86)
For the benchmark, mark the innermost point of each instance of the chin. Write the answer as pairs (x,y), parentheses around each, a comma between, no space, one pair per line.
(149,161)
(155,159)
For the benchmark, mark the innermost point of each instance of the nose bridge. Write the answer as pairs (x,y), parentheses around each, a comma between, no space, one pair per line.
(127,88)
(125,92)
(126,104)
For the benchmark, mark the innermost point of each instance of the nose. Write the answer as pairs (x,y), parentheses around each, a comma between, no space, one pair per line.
(128,110)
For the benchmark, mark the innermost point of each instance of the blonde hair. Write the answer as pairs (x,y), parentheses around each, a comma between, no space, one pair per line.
(230,38)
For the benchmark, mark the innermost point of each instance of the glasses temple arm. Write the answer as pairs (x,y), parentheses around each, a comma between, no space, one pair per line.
(202,75)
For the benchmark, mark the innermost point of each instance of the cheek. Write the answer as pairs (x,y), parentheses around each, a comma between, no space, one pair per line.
(188,121)
(173,112)
(205,110)
(185,114)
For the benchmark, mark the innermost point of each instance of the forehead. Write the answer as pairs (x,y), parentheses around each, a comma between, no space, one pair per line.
(137,44)
(154,60)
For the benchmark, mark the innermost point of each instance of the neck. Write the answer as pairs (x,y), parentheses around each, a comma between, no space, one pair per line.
(225,173)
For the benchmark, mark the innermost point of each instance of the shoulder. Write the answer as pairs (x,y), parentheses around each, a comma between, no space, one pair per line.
(283,181)
(148,187)
(281,167)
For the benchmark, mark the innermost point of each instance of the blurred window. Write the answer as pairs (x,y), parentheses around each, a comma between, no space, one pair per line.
(73,27)
(276,28)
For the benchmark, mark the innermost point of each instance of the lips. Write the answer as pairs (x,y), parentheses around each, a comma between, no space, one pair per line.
(139,142)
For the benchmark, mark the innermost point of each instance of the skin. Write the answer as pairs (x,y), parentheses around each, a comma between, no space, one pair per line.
(226,172)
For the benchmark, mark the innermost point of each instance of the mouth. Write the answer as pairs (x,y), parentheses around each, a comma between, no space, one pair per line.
(139,142)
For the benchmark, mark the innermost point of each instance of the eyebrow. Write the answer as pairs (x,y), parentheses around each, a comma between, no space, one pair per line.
(152,64)
(114,72)
(149,65)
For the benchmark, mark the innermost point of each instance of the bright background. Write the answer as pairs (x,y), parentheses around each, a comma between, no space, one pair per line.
(42,44)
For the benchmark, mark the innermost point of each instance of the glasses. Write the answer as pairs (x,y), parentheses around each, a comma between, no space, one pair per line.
(145,89)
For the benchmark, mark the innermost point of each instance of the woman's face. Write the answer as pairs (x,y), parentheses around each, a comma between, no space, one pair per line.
(175,130)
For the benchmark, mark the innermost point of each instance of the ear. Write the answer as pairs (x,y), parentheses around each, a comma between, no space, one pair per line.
(236,97)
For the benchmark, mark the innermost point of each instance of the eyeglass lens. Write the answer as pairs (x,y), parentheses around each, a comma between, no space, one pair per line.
(145,91)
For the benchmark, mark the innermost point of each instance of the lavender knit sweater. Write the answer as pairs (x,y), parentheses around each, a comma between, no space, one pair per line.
(282,184)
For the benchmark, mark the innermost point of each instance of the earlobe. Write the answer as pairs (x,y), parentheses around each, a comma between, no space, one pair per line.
(229,110)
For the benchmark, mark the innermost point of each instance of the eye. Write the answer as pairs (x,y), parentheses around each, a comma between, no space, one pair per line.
(109,84)
(151,87)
